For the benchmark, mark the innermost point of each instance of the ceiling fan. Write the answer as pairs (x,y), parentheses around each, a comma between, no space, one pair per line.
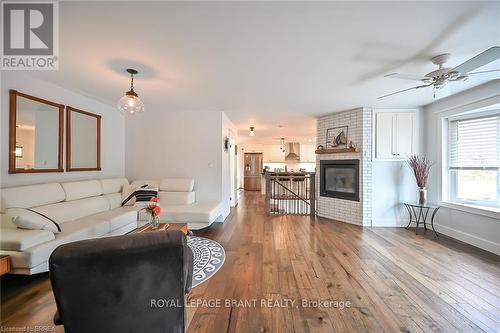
(439,77)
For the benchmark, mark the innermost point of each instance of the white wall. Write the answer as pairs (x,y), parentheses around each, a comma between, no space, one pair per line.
(113,130)
(186,144)
(481,231)
(393,183)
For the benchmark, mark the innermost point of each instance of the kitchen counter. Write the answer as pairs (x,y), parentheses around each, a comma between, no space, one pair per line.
(272,173)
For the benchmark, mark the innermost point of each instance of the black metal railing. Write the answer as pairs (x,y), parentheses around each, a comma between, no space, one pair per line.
(291,194)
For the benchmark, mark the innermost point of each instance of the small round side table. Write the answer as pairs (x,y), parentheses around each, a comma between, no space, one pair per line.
(418,214)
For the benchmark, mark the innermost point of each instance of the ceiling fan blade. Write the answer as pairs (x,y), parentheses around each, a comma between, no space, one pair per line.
(405,76)
(483,72)
(397,92)
(491,54)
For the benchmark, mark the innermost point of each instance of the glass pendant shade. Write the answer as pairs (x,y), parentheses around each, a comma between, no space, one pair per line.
(130,104)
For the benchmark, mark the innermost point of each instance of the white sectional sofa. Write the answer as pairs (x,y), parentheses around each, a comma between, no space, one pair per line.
(88,209)
(178,203)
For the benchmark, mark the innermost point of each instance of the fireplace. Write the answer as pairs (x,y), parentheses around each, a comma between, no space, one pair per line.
(340,179)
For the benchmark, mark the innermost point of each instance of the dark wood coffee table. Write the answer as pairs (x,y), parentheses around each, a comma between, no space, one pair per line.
(163,226)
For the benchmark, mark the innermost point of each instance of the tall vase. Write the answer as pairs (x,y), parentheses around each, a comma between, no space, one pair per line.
(154,221)
(422,196)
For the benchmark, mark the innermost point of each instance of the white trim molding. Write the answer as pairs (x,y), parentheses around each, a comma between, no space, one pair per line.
(478,210)
(468,238)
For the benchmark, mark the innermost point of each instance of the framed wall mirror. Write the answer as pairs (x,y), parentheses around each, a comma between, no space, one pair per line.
(35,134)
(83,140)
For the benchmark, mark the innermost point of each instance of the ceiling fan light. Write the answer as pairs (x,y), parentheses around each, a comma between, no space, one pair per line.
(252,133)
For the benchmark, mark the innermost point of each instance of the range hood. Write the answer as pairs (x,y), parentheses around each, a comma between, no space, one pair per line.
(292,151)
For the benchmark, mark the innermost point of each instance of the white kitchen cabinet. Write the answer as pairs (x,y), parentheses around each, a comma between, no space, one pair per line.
(272,153)
(307,153)
(395,134)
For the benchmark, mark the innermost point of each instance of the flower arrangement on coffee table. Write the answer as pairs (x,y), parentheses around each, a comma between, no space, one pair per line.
(153,209)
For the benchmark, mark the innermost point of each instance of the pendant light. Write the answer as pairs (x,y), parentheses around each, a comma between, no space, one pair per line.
(252,133)
(282,144)
(131,103)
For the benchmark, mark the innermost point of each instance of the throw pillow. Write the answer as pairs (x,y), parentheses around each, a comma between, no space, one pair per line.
(25,218)
(143,195)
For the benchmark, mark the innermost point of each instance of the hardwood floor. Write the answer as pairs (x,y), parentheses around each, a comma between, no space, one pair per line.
(393,280)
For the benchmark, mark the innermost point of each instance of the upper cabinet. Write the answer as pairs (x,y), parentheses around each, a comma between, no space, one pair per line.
(307,153)
(272,153)
(395,134)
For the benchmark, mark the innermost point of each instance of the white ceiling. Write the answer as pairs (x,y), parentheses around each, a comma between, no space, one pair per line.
(267,63)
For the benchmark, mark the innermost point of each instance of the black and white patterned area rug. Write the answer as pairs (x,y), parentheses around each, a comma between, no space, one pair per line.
(208,256)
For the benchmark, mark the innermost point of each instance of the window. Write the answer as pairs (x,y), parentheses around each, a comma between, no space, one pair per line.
(474,160)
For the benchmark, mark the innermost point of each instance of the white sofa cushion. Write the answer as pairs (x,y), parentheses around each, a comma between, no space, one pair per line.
(117,218)
(197,212)
(150,183)
(177,184)
(113,185)
(85,228)
(83,189)
(28,219)
(31,196)
(176,198)
(115,200)
(71,210)
(15,239)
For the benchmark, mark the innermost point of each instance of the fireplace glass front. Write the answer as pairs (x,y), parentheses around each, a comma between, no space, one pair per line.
(340,179)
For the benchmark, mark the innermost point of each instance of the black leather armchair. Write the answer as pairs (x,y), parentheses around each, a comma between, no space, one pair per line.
(130,283)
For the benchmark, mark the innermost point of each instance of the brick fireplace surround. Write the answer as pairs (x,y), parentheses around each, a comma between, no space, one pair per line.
(360,133)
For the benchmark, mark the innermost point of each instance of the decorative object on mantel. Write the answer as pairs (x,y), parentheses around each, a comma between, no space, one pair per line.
(154,210)
(336,151)
(131,103)
(320,147)
(420,165)
(336,137)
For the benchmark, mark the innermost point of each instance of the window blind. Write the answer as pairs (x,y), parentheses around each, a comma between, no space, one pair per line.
(474,143)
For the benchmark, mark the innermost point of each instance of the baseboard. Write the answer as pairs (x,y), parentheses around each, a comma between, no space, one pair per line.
(224,214)
(450,232)
(389,223)
(468,238)
(330,218)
